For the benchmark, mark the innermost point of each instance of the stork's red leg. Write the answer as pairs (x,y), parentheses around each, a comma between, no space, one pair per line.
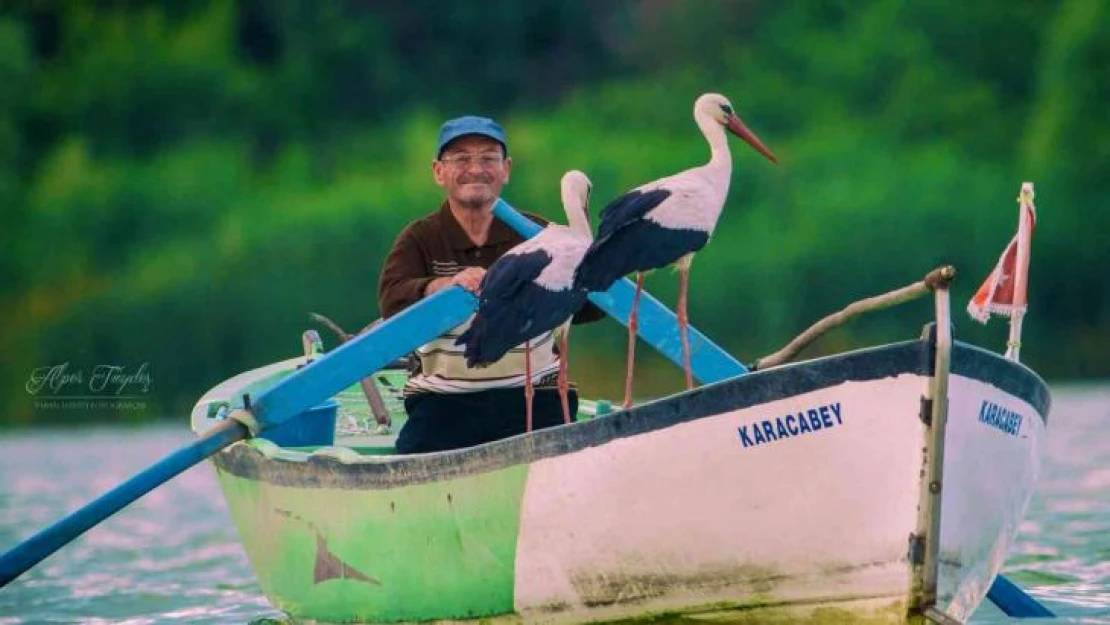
(633,325)
(564,386)
(528,391)
(683,322)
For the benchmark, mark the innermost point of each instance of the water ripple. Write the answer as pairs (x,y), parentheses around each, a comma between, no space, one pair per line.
(171,557)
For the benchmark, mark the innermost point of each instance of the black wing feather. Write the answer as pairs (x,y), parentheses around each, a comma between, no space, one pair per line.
(628,208)
(493,331)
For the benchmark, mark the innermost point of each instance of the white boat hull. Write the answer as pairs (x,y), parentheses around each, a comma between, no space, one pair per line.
(717,500)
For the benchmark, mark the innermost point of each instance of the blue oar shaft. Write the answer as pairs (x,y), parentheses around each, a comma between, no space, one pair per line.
(1015,602)
(33,550)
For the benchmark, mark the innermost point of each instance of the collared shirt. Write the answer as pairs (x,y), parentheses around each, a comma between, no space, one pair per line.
(437,246)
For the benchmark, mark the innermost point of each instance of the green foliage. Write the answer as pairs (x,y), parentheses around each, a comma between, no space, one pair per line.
(183,183)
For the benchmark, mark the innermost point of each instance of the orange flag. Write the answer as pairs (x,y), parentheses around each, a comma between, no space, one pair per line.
(1003,292)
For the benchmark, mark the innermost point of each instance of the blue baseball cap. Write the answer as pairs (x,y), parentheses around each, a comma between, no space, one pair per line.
(470,125)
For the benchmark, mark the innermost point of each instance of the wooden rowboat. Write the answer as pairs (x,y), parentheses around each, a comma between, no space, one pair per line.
(880,485)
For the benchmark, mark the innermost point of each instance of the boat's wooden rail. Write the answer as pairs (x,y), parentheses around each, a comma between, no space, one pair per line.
(937,278)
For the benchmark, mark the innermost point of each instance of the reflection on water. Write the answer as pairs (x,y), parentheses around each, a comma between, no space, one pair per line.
(174,555)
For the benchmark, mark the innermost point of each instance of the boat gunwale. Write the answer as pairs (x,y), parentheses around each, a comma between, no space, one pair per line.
(1012,376)
(322,469)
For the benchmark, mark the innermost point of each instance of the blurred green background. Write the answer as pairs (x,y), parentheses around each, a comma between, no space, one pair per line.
(182,182)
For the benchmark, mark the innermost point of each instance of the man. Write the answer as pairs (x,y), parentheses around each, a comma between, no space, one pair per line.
(449,404)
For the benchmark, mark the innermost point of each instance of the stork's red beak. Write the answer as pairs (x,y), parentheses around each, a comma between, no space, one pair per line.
(740,130)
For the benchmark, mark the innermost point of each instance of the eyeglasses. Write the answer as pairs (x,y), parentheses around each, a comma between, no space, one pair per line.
(464,161)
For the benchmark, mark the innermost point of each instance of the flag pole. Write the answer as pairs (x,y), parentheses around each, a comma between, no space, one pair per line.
(1021,270)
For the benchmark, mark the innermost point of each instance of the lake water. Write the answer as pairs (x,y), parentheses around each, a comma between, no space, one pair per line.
(174,556)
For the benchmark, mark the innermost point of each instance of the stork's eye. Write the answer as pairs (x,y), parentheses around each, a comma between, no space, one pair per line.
(727,109)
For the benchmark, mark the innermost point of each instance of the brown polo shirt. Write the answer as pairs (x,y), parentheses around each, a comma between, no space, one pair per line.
(434,247)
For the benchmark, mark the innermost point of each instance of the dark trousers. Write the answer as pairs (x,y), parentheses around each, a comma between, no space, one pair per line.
(440,421)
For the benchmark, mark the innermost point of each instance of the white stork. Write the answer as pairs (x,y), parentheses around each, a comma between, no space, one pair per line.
(664,222)
(530,290)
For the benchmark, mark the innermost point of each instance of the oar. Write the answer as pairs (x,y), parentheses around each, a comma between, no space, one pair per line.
(1013,601)
(710,363)
(303,389)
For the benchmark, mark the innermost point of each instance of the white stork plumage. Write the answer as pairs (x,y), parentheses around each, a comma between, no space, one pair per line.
(530,290)
(664,222)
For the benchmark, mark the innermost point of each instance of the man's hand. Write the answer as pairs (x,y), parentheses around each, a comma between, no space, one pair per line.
(469,279)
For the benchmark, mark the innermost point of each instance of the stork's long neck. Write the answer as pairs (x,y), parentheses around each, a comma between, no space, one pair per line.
(576,212)
(576,217)
(720,160)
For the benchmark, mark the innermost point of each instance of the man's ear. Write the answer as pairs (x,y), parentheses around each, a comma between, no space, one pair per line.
(438,172)
(508,169)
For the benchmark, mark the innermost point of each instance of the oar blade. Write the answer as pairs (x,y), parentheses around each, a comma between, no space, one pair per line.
(1015,602)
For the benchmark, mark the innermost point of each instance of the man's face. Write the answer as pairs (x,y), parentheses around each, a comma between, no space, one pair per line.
(472,171)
